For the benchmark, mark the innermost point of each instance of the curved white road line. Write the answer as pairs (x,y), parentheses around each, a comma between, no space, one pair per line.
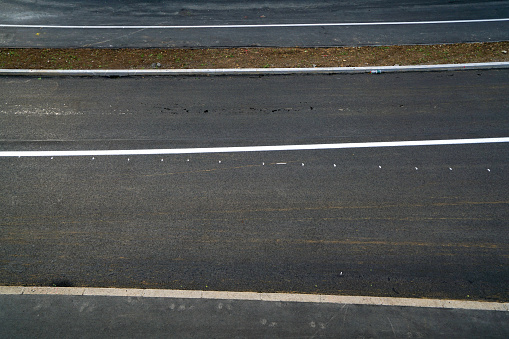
(238,149)
(277,297)
(437,22)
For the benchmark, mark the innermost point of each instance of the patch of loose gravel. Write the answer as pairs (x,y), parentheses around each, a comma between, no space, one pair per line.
(30,58)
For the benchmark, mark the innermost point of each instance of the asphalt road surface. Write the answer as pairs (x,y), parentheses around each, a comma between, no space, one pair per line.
(397,221)
(63,316)
(32,23)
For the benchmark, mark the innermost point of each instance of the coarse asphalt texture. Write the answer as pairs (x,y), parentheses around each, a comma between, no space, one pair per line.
(134,234)
(387,222)
(29,24)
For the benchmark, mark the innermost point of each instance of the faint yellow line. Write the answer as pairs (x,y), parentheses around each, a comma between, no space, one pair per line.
(90,217)
(359,243)
(250,219)
(364,207)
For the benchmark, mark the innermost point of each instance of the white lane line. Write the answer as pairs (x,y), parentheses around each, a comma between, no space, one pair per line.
(380,23)
(253,148)
(278,297)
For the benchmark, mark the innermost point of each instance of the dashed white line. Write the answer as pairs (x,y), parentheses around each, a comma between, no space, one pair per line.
(323,24)
(240,149)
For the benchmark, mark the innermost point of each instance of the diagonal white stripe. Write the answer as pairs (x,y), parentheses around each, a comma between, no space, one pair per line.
(225,71)
(260,26)
(267,297)
(253,148)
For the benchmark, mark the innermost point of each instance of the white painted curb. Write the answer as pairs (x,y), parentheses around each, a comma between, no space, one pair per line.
(255,71)
(253,296)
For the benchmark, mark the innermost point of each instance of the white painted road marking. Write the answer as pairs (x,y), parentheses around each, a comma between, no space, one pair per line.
(277,297)
(228,71)
(260,26)
(254,148)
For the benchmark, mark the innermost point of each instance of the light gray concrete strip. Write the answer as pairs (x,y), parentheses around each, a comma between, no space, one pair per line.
(277,297)
(225,295)
(290,297)
(53,290)
(11,289)
(113,292)
(184,294)
(411,302)
(251,71)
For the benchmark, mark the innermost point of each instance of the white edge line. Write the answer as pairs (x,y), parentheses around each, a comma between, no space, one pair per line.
(379,23)
(253,148)
(241,71)
(254,296)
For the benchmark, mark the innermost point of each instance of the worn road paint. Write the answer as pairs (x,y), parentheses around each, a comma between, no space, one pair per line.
(240,149)
(276,297)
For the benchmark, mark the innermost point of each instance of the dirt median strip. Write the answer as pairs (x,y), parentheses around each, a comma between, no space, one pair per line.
(231,58)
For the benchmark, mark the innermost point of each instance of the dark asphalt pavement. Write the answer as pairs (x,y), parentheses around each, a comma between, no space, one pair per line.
(413,221)
(32,316)
(175,112)
(230,12)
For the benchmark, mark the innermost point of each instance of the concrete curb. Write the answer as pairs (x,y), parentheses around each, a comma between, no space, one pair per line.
(253,296)
(254,71)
